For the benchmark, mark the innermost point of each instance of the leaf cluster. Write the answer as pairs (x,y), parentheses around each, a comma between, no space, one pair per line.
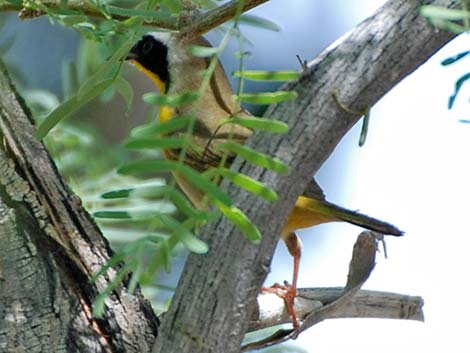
(456,21)
(143,212)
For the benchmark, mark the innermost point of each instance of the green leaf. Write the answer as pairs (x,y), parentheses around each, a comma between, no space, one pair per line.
(455,58)
(135,276)
(68,107)
(257,75)
(73,19)
(60,13)
(172,101)
(103,73)
(149,14)
(196,178)
(107,69)
(250,184)
(260,22)
(442,13)
(458,86)
(126,91)
(260,124)
(100,300)
(242,222)
(255,157)
(152,143)
(268,97)
(165,253)
(125,235)
(156,129)
(146,190)
(202,52)
(450,26)
(108,94)
(185,206)
(176,197)
(112,214)
(189,240)
(69,78)
(117,194)
(98,305)
(115,260)
(175,6)
(132,22)
(364,128)
(145,211)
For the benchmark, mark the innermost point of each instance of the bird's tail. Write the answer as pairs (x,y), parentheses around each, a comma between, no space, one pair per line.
(356,218)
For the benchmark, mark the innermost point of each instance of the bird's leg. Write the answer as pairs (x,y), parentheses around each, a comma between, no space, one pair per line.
(288,292)
(294,245)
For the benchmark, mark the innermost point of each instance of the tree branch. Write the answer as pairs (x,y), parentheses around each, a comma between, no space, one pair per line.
(360,268)
(85,8)
(270,310)
(202,24)
(221,286)
(192,23)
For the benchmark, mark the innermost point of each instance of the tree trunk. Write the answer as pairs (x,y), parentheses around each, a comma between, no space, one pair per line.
(50,250)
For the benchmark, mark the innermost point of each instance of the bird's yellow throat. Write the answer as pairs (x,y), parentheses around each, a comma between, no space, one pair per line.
(166,112)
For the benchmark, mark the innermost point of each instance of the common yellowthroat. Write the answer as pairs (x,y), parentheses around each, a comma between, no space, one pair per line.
(165,59)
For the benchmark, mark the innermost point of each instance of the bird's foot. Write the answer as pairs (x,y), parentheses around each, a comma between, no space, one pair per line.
(287,292)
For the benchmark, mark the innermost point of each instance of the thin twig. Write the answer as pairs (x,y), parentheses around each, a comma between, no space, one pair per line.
(216,17)
(303,63)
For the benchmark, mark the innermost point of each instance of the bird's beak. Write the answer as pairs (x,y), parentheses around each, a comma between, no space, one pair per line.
(131,56)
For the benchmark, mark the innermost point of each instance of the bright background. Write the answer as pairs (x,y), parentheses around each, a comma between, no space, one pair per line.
(413,171)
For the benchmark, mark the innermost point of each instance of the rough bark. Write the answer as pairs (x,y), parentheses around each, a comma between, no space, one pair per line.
(50,250)
(216,293)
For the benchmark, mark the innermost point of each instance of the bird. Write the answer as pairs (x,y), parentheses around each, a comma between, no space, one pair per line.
(165,59)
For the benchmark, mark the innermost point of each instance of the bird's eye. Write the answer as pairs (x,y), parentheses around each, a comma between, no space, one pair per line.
(147,47)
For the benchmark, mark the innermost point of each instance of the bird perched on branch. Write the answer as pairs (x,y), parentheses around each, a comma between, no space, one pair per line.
(165,59)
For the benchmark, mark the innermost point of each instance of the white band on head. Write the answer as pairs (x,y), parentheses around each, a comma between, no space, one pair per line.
(164,37)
